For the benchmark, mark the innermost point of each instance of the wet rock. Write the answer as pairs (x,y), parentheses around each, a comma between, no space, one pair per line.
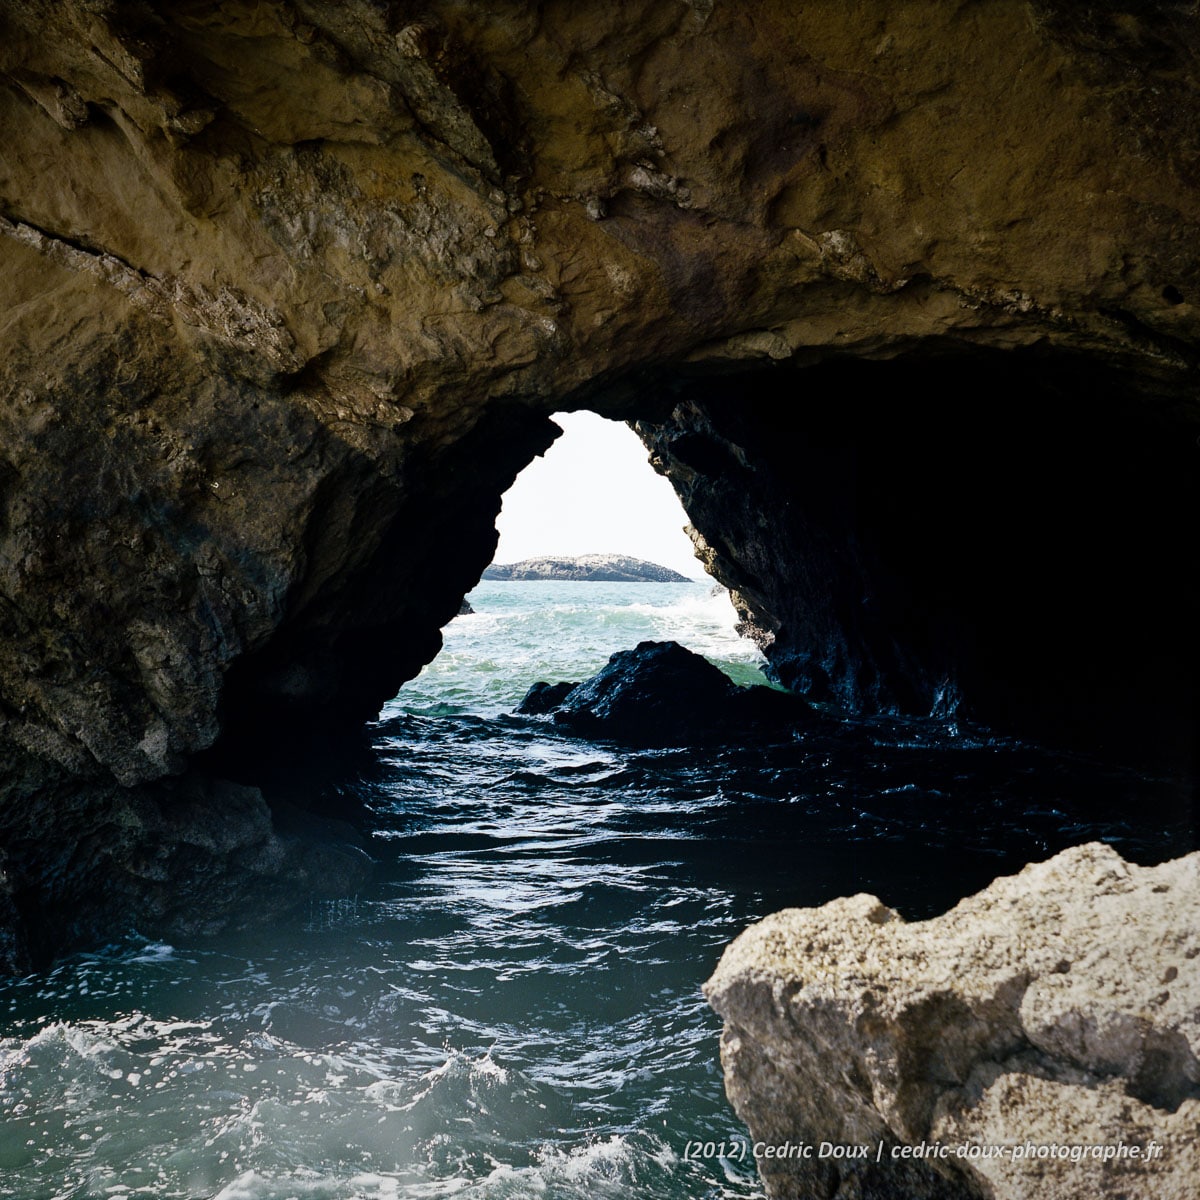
(897,573)
(661,693)
(189,856)
(544,697)
(14,953)
(1059,1007)
(465,609)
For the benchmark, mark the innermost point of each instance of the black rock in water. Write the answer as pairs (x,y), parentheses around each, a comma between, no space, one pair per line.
(465,609)
(661,693)
(544,697)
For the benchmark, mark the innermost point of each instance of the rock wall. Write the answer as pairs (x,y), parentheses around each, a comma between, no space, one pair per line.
(1000,533)
(1057,1008)
(82,862)
(290,289)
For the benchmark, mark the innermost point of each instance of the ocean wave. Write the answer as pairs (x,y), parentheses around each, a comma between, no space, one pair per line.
(310,1185)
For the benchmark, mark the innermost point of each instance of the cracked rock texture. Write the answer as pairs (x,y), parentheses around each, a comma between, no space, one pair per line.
(1058,1006)
(288,291)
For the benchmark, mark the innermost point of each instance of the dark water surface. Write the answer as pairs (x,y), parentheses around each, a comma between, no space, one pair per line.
(514,1009)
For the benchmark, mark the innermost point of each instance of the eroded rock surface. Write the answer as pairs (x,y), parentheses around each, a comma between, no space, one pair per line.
(955,531)
(289,291)
(1058,1007)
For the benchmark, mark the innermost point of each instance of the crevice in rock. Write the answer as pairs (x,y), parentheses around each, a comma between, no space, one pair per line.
(1168,1074)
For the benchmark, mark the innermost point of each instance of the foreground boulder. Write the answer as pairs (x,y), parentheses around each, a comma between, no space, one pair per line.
(1038,1040)
(661,692)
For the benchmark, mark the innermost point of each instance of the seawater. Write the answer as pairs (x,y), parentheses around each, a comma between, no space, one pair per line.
(513,1009)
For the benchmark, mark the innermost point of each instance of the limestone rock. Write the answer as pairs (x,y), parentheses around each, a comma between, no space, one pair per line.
(1059,1007)
(290,291)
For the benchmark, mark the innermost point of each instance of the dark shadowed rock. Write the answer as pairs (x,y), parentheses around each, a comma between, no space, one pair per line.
(661,692)
(192,856)
(544,697)
(465,609)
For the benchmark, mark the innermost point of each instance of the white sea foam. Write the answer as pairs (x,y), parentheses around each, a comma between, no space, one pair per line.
(252,1185)
(611,1168)
(154,952)
(65,1040)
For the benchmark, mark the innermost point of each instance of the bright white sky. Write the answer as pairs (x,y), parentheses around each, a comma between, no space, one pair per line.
(595,492)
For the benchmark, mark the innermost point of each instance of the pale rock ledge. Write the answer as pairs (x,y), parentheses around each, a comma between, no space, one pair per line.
(1057,1007)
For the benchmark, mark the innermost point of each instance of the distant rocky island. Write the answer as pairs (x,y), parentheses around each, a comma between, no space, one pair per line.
(587,568)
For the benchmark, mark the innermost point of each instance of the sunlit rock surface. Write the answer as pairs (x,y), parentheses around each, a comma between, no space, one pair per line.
(1058,1007)
(289,291)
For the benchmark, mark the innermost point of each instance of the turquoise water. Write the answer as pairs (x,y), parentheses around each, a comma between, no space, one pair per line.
(524,632)
(513,1009)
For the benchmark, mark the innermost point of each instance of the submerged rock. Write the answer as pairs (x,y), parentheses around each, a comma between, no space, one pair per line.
(189,856)
(661,692)
(587,568)
(1056,1011)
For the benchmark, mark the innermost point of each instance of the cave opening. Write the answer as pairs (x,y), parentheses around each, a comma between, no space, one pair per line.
(608,564)
(1002,534)
(592,559)
(594,492)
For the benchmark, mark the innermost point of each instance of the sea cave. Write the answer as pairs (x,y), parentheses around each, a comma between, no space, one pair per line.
(904,307)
